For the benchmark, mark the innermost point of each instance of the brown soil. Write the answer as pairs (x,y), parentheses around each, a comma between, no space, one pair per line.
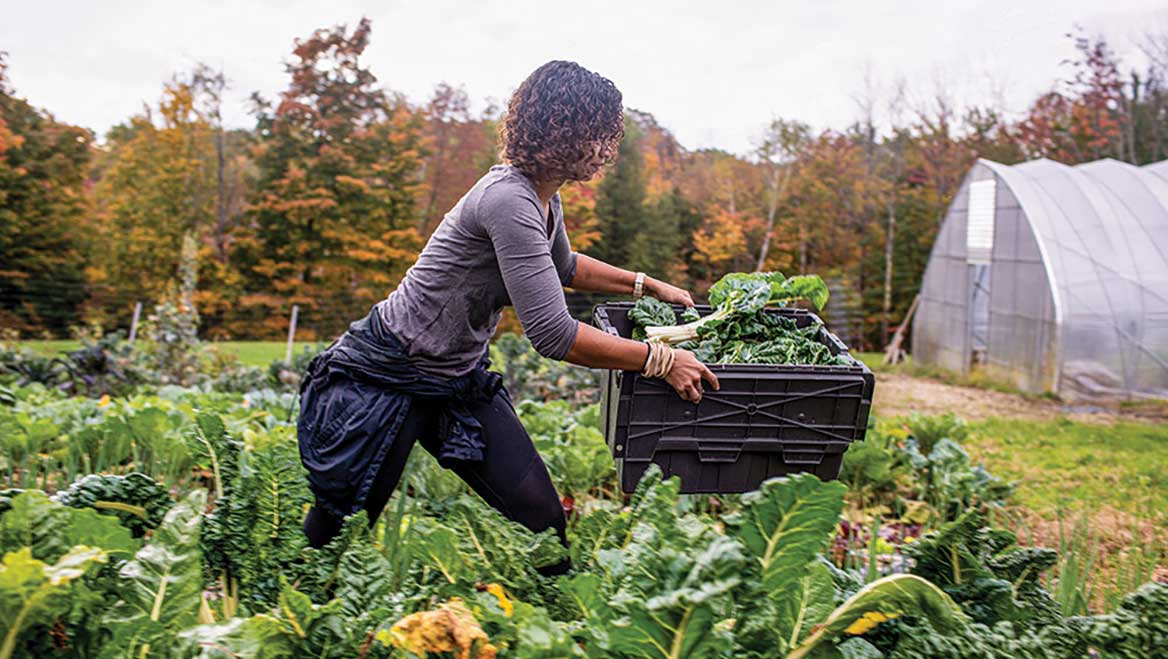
(898,394)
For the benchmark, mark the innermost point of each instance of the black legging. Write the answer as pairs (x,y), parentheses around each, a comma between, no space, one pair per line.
(512,477)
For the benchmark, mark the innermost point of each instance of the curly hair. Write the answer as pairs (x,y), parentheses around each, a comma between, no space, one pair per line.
(556,117)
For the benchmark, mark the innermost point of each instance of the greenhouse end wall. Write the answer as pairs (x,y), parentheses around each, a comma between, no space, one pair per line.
(1019,325)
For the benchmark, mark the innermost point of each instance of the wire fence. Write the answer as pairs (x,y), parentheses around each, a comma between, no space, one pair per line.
(57,310)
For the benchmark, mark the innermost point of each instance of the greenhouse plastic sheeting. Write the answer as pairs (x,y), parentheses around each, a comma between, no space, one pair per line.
(1078,281)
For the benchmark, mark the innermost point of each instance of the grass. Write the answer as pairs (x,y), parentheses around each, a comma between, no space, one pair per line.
(252,353)
(258,353)
(1068,465)
(1111,479)
(872,360)
(51,348)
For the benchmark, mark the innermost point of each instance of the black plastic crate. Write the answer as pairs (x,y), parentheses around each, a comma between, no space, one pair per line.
(765,421)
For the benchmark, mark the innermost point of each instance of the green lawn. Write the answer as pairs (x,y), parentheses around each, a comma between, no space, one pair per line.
(1111,480)
(1071,465)
(51,348)
(872,359)
(258,353)
(1097,492)
(253,353)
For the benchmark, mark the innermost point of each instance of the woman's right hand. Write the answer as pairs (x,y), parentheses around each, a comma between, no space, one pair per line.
(687,374)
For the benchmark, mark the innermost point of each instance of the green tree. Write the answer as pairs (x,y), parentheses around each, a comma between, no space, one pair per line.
(42,211)
(664,240)
(620,202)
(333,224)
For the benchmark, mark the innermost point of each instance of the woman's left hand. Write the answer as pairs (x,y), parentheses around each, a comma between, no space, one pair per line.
(669,293)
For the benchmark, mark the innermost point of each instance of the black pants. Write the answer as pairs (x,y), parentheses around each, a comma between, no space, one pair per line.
(512,477)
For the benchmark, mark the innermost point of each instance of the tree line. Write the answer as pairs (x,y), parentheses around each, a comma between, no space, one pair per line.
(327,200)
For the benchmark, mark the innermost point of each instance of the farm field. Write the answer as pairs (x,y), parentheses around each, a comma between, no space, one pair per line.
(1063,461)
(251,353)
(203,484)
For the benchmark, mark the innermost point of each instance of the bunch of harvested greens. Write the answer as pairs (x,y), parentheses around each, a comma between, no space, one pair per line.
(740,331)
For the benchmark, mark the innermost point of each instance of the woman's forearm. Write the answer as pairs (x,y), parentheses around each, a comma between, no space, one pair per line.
(596,276)
(598,349)
(599,277)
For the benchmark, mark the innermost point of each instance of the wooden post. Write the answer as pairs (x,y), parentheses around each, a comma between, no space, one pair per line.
(134,321)
(892,352)
(291,334)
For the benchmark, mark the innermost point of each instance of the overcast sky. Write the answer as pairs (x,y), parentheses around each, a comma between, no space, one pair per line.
(713,72)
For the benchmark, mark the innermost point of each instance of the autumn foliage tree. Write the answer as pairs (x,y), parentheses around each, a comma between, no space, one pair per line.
(156,182)
(459,147)
(43,208)
(334,224)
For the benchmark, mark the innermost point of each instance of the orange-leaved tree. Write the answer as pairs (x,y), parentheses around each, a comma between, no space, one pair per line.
(333,225)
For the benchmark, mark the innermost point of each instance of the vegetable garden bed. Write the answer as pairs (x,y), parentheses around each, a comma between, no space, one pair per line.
(203,556)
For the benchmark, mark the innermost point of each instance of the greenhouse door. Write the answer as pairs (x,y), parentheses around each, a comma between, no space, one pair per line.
(979,315)
(979,246)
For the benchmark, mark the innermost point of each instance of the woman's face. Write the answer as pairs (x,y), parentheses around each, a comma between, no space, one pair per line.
(600,153)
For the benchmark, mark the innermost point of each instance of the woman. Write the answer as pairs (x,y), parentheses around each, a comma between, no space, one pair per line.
(414,369)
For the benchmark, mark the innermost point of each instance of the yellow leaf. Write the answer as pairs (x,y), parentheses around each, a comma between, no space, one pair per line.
(868,622)
(449,628)
(504,603)
(103,401)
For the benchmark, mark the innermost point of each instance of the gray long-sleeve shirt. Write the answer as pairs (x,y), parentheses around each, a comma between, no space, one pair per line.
(494,248)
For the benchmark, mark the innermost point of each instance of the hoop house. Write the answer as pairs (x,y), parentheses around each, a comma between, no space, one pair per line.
(1053,278)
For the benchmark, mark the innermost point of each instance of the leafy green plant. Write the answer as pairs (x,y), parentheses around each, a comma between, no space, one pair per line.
(160,589)
(138,501)
(571,445)
(950,483)
(658,574)
(930,429)
(881,601)
(50,530)
(987,573)
(1137,628)
(33,593)
(1077,556)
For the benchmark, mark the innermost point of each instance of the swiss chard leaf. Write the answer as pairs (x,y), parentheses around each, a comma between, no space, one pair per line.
(50,529)
(651,312)
(882,600)
(785,524)
(33,592)
(160,587)
(138,500)
(800,287)
(745,286)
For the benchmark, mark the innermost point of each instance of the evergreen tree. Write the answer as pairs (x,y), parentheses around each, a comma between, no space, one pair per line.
(664,242)
(620,204)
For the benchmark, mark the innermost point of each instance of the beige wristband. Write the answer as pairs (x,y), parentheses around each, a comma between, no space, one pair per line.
(660,362)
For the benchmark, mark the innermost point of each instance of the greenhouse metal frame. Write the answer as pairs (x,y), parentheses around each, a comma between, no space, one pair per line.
(1052,278)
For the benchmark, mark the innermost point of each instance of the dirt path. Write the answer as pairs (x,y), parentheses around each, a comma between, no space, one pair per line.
(898,394)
